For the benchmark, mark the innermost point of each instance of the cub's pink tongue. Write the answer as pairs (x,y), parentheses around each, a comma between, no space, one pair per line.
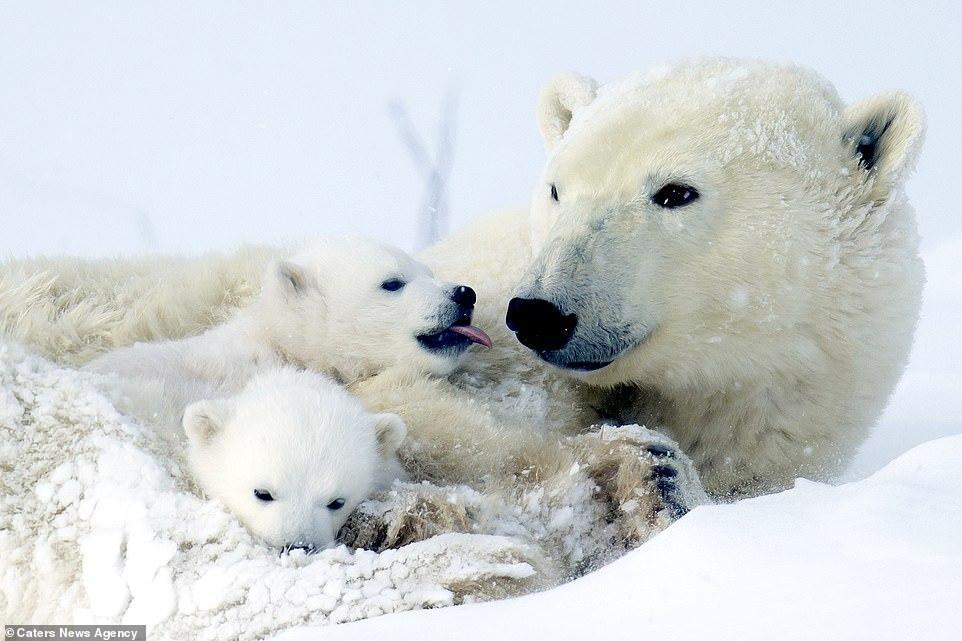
(472,333)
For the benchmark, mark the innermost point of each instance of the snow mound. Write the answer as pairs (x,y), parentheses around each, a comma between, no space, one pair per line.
(99,525)
(875,559)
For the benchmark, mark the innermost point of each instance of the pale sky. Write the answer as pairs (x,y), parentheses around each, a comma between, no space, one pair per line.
(189,126)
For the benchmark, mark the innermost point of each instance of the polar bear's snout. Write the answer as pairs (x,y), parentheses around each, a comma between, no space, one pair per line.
(572,341)
(540,324)
(464,297)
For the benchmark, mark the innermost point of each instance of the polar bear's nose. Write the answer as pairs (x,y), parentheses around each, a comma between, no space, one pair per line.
(539,324)
(464,296)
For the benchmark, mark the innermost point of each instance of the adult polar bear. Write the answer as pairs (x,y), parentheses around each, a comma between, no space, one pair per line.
(720,247)
(761,310)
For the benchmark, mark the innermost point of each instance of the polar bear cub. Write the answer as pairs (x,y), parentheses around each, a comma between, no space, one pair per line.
(291,455)
(345,306)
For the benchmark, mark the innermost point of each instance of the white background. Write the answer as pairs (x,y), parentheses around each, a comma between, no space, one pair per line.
(190,126)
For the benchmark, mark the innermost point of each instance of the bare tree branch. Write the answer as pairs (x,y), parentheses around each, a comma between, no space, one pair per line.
(433,218)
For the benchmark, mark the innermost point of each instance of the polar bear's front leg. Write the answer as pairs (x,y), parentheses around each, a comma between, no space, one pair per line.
(644,477)
(455,523)
(411,512)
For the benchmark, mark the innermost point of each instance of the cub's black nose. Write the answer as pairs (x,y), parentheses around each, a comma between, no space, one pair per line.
(464,296)
(539,324)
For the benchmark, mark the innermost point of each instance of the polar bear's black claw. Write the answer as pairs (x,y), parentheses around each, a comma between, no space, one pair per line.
(676,509)
(664,471)
(660,451)
(672,498)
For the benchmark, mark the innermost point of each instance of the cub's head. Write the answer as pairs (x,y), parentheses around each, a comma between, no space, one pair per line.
(686,220)
(291,455)
(353,307)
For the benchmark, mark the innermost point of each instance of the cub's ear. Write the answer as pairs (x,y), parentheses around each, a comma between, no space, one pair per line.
(560,99)
(293,278)
(205,420)
(884,134)
(390,431)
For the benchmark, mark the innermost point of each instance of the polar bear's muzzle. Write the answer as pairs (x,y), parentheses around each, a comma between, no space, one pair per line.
(455,333)
(554,335)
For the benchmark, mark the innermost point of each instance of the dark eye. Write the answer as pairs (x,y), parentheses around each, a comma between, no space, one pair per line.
(336,504)
(393,285)
(263,495)
(554,192)
(672,195)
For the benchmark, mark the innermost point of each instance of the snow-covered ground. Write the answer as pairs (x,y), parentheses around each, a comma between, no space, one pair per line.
(876,559)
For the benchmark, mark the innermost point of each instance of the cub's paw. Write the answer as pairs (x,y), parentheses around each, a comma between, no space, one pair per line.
(646,480)
(410,512)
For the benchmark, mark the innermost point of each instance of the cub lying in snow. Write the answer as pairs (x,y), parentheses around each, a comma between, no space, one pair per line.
(292,454)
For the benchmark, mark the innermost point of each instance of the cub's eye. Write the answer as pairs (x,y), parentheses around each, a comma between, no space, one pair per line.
(554,192)
(393,285)
(263,495)
(672,195)
(336,504)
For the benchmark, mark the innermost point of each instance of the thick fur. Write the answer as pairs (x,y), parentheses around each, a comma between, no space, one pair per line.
(766,323)
(323,308)
(73,309)
(301,438)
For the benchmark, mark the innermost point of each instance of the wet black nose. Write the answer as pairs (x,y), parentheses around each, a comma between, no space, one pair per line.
(539,324)
(310,548)
(464,296)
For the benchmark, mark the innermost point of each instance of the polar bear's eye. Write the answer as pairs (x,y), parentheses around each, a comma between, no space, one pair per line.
(336,504)
(554,192)
(672,195)
(263,495)
(393,285)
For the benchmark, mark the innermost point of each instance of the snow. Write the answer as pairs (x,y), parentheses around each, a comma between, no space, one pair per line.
(874,559)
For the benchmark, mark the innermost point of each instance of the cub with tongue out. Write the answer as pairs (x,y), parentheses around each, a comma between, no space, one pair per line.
(347,307)
(351,308)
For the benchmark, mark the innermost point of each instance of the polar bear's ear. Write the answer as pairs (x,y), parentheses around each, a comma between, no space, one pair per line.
(390,431)
(293,278)
(560,99)
(204,420)
(884,134)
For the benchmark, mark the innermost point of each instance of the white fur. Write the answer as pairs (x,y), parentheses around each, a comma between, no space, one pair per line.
(300,437)
(323,308)
(766,323)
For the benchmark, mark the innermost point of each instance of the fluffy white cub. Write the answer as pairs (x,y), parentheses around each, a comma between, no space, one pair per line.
(346,306)
(292,454)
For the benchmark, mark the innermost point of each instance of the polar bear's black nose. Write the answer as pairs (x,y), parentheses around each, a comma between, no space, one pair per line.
(464,296)
(539,324)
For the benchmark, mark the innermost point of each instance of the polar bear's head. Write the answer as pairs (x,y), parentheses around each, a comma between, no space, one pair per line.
(353,307)
(686,218)
(291,455)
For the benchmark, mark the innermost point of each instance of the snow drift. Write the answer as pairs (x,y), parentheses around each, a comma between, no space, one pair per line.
(874,559)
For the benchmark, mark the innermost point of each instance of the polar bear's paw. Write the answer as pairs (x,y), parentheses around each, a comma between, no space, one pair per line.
(411,512)
(645,478)
(471,567)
